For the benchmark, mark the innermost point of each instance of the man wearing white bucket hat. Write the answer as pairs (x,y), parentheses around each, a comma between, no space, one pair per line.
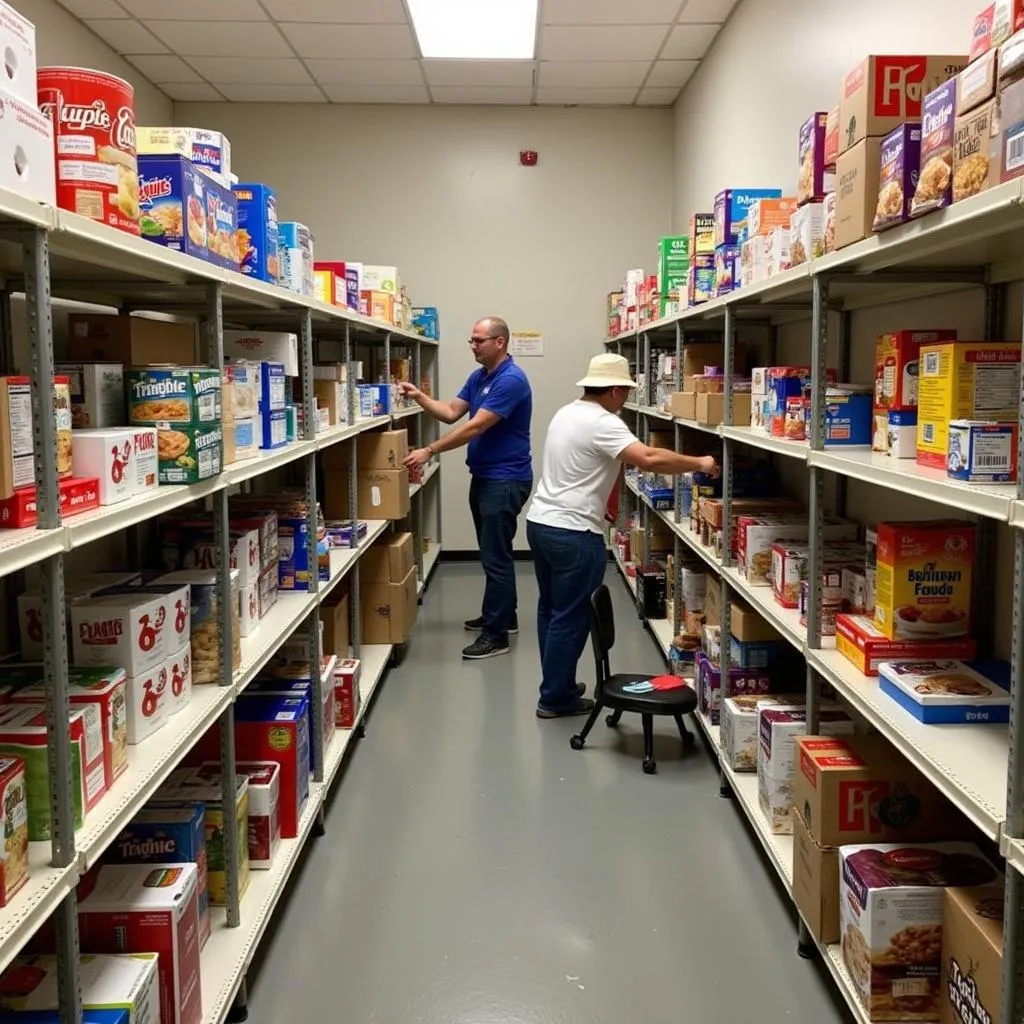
(587,444)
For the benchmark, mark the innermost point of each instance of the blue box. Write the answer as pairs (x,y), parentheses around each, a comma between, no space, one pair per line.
(426,322)
(221,226)
(982,451)
(257,231)
(374,400)
(172,204)
(731,211)
(752,653)
(273,390)
(274,428)
(727,261)
(53,1017)
(903,682)
(847,417)
(293,563)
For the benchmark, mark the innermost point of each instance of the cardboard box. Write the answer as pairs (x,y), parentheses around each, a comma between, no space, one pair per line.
(182,396)
(377,449)
(275,346)
(976,159)
(683,404)
(882,92)
(971,984)
(334,615)
(711,408)
(388,561)
(867,647)
(976,83)
(807,233)
(389,610)
(747,625)
(815,882)
(129,340)
(857,177)
(381,494)
(97,393)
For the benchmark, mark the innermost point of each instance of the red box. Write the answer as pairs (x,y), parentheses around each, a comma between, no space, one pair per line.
(346,693)
(866,646)
(77,494)
(981,34)
(150,908)
(896,357)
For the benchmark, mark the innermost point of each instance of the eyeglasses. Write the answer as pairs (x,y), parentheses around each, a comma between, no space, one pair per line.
(480,341)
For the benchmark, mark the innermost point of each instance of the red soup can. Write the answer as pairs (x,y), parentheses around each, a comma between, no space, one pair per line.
(93,117)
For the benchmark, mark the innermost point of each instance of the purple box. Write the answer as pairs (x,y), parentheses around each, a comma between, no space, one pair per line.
(709,685)
(935,182)
(731,211)
(813,182)
(897,176)
(727,258)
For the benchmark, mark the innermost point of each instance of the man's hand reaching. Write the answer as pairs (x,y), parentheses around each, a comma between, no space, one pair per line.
(417,457)
(710,466)
(408,390)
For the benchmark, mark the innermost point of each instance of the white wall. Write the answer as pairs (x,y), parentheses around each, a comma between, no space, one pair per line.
(439,191)
(63,39)
(771,66)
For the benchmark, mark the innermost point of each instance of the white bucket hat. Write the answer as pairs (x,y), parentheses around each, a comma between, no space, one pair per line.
(607,371)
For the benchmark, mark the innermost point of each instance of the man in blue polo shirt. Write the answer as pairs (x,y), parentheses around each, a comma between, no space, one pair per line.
(500,404)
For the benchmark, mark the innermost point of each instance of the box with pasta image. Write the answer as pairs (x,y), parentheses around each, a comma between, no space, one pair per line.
(170,395)
(173,204)
(188,454)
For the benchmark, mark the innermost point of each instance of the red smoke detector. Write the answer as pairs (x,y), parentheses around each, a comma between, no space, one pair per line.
(528,157)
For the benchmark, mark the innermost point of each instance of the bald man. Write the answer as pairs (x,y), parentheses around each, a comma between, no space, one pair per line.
(500,404)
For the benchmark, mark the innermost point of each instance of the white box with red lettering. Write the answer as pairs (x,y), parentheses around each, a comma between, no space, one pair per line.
(119,630)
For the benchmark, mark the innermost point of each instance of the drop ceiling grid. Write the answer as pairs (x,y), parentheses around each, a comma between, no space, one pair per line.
(589,52)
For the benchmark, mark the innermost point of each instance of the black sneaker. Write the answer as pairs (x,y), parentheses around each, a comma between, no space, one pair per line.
(583,706)
(477,624)
(484,647)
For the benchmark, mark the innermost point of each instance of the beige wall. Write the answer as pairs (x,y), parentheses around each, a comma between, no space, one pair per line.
(439,191)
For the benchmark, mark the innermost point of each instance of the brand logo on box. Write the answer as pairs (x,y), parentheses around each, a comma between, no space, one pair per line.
(874,806)
(899,86)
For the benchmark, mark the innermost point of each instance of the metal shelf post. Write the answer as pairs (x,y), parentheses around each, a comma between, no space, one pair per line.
(725,630)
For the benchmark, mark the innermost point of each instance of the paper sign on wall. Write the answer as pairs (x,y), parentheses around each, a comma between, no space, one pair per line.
(526,343)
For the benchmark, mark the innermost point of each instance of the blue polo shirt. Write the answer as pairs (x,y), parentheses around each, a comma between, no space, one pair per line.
(503,452)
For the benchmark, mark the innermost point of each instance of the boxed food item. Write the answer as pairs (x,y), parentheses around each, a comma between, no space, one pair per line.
(426,322)
(829,220)
(898,175)
(673,262)
(190,544)
(934,183)
(330,286)
(883,92)
(257,231)
(158,395)
(17,468)
(272,386)
(847,415)
(18,37)
(710,408)
(757,534)
(896,366)
(831,143)
(347,697)
(210,151)
(948,691)
(700,279)
(858,590)
(124,629)
(754,654)
(891,905)
(742,682)
(971,984)
(924,579)
(173,204)
(179,680)
(702,234)
(389,610)
(137,908)
(168,835)
(264,810)
(860,641)
(765,215)
(173,616)
(23,737)
(1007,19)
(807,233)
(146,456)
(221,225)
(982,451)
(815,882)
(726,278)
(739,726)
(276,346)
(295,255)
(14,866)
(963,380)
(857,177)
(976,161)
(976,83)
(382,279)
(277,729)
(731,211)
(109,983)
(97,393)
(107,455)
(273,429)
(814,180)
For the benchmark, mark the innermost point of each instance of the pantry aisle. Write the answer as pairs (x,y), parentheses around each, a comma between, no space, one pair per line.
(477,870)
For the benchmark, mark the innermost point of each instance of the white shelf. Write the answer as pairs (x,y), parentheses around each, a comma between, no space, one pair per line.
(662,630)
(687,536)
(1013,851)
(785,620)
(401,414)
(332,435)
(713,732)
(832,956)
(778,848)
(279,623)
(759,439)
(429,472)
(21,548)
(429,561)
(630,580)
(706,428)
(965,762)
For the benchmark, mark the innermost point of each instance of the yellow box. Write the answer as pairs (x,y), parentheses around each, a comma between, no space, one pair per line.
(972,380)
(379,306)
(329,288)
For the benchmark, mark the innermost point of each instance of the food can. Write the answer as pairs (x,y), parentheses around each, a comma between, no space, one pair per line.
(93,117)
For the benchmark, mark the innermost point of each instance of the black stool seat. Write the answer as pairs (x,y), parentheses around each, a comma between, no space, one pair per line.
(681,701)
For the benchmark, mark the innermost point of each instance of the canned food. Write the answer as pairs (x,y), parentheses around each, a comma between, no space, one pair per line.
(93,117)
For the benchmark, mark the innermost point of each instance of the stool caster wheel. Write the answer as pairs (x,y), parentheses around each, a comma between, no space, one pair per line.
(806,950)
(611,720)
(576,742)
(689,740)
(724,790)
(650,767)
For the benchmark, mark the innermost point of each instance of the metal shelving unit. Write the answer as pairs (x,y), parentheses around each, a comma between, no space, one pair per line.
(974,244)
(47,252)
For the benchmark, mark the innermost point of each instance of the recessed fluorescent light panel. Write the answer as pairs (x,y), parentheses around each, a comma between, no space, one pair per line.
(475,29)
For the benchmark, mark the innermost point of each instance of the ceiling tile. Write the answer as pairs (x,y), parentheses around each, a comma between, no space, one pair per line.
(592,73)
(657,97)
(672,72)
(366,72)
(242,71)
(360,41)
(481,94)
(192,92)
(127,36)
(479,72)
(197,10)
(689,42)
(253,40)
(629,42)
(94,8)
(584,97)
(376,94)
(356,12)
(706,10)
(263,93)
(160,68)
(609,12)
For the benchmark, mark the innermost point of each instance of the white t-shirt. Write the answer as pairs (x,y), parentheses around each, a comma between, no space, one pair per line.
(579,467)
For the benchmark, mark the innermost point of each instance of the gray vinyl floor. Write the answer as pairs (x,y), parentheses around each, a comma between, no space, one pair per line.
(476,870)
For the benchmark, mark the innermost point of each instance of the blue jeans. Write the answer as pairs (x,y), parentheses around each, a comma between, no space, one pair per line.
(495,505)
(570,567)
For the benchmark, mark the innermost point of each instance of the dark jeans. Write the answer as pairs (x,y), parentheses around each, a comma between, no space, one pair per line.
(496,505)
(570,567)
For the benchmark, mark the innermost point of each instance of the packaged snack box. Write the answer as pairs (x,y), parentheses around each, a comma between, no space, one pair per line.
(702,234)
(739,726)
(814,179)
(731,211)
(896,367)
(139,908)
(295,256)
(186,395)
(124,629)
(222,225)
(264,807)
(257,231)
(172,204)
(210,151)
(709,687)
(97,393)
(976,162)
(346,692)
(179,679)
(17,468)
(898,175)
(948,691)
(982,451)
(14,868)
(174,615)
(860,641)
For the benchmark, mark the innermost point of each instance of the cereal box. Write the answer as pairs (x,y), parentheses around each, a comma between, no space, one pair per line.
(971,380)
(860,641)
(257,231)
(264,807)
(814,180)
(739,726)
(17,469)
(273,386)
(948,691)
(975,160)
(972,955)
(222,225)
(891,906)
(295,255)
(725,269)
(731,211)
(934,184)
(898,175)
(143,908)
(924,579)
(806,233)
(23,736)
(346,692)
(172,204)
(97,393)
(982,451)
(186,395)
(831,143)
(14,867)
(168,835)
(209,151)
(109,983)
(123,629)
(702,234)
